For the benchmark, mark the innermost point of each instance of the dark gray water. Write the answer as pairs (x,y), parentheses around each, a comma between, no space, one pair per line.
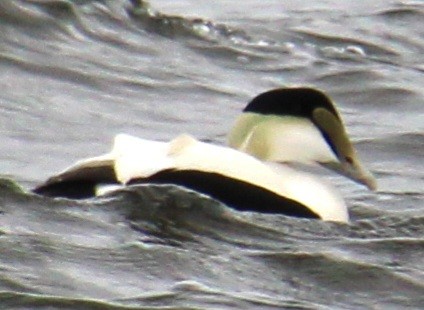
(75,73)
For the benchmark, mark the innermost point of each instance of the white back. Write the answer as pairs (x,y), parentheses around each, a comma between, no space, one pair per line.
(136,157)
(139,158)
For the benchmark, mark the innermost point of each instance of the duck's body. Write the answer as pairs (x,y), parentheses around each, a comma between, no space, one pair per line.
(234,178)
(240,180)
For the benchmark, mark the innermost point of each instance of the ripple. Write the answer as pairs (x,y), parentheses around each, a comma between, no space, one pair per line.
(11,299)
(344,278)
(180,26)
(378,96)
(405,13)
(410,144)
(349,46)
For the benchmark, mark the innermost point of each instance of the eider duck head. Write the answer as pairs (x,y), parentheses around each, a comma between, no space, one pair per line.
(298,125)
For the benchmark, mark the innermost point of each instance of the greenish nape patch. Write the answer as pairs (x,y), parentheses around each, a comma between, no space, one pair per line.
(242,129)
(251,133)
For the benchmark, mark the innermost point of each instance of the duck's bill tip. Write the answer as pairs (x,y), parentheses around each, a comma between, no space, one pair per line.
(370,182)
(362,176)
(354,172)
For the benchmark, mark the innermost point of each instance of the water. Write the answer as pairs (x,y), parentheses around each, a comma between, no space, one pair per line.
(75,73)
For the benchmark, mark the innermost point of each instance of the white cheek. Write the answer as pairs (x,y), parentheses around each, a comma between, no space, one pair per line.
(298,140)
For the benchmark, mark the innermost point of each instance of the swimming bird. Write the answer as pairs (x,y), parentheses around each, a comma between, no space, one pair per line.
(282,125)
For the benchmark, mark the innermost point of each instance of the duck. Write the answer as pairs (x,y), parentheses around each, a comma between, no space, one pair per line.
(254,172)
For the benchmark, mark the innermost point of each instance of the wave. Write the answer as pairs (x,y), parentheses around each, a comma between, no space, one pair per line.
(405,11)
(105,22)
(83,17)
(172,207)
(181,296)
(186,249)
(174,26)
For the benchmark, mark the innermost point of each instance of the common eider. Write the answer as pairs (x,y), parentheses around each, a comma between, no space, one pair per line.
(283,126)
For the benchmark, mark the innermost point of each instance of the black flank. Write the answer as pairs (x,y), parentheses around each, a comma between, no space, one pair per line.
(234,193)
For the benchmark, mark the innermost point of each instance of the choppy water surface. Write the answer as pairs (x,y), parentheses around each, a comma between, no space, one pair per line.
(75,73)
